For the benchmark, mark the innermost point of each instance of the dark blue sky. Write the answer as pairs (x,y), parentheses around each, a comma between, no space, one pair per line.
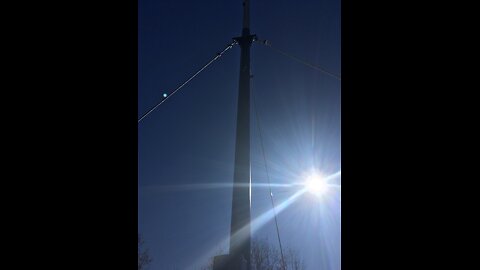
(188,142)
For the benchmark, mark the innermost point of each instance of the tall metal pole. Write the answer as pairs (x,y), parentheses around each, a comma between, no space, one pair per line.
(241,199)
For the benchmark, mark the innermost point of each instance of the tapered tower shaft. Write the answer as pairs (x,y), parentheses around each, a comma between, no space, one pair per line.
(241,200)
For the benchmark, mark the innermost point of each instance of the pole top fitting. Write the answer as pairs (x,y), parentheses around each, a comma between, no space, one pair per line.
(245,40)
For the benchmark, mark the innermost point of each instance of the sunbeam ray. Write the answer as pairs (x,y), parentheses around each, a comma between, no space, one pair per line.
(258,222)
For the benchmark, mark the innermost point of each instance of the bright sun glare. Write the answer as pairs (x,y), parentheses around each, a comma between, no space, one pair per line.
(316,184)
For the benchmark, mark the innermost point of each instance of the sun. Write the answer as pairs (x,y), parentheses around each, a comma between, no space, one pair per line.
(316,184)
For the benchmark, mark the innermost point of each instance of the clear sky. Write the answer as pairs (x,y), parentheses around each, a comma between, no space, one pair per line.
(186,146)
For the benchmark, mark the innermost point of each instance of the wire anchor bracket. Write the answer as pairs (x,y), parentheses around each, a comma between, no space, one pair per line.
(245,40)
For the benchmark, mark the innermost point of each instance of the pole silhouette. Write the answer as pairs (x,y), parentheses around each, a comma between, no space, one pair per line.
(240,235)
